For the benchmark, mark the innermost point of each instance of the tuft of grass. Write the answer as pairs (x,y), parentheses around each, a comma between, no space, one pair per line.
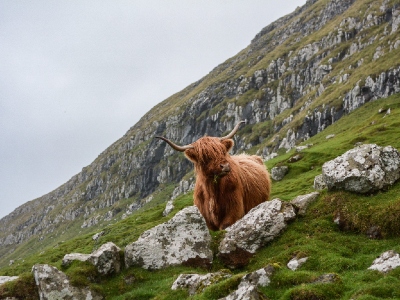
(22,288)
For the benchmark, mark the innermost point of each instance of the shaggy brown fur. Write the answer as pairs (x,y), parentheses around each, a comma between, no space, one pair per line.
(227,187)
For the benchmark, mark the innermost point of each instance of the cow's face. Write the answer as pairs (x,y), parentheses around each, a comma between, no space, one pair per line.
(211,156)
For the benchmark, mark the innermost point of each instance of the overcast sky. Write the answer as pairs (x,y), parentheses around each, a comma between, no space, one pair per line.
(76,75)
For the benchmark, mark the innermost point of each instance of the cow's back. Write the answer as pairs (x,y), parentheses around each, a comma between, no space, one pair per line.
(255,180)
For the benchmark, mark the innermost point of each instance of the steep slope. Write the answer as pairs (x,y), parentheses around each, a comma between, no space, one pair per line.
(299,75)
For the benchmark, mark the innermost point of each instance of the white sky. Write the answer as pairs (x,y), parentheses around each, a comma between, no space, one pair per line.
(76,75)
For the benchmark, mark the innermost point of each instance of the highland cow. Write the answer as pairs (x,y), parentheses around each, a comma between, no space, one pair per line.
(227,187)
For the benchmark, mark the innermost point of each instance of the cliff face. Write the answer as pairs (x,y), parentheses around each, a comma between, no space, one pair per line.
(299,75)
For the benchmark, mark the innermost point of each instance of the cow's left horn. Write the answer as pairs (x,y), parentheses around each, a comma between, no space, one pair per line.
(233,132)
(174,146)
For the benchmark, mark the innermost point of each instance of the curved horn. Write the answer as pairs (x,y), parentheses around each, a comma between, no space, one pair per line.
(174,146)
(232,133)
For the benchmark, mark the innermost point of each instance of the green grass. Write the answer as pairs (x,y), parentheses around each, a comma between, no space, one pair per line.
(345,251)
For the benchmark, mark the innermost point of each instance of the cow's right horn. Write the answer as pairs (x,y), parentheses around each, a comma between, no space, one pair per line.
(233,132)
(174,146)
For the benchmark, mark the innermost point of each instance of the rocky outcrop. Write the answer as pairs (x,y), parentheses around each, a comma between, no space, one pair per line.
(184,239)
(364,169)
(54,284)
(258,227)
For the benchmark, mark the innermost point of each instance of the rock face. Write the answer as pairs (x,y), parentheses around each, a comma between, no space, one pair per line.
(259,226)
(386,262)
(364,169)
(196,283)
(54,284)
(184,239)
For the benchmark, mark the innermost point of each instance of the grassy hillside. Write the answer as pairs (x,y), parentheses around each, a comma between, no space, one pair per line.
(346,252)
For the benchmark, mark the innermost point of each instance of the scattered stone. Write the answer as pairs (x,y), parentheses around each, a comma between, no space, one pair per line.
(106,259)
(4,279)
(260,277)
(330,136)
(185,239)
(296,263)
(295,158)
(301,148)
(270,156)
(97,236)
(302,202)
(168,208)
(129,280)
(69,258)
(364,169)
(259,226)
(374,233)
(327,278)
(245,292)
(277,173)
(386,262)
(319,183)
(54,284)
(247,288)
(196,283)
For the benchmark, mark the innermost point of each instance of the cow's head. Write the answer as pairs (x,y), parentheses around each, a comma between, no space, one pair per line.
(209,154)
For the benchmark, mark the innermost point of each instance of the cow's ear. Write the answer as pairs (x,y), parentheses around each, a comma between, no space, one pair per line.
(228,143)
(191,155)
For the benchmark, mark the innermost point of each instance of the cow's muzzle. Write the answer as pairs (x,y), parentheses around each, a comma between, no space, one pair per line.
(225,169)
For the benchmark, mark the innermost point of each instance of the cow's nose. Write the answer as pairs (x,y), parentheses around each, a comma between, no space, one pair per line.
(225,167)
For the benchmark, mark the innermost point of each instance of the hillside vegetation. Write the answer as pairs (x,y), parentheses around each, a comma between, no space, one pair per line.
(346,252)
(327,68)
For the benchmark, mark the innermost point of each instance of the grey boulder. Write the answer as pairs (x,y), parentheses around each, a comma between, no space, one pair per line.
(184,239)
(259,226)
(364,169)
(386,262)
(54,284)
